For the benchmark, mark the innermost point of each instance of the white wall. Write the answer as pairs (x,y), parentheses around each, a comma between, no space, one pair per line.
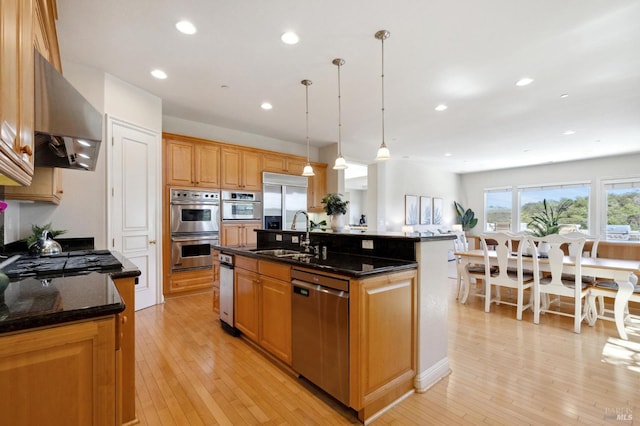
(474,184)
(82,211)
(399,177)
(208,131)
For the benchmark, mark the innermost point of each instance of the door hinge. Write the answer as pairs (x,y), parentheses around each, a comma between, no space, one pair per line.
(113,242)
(113,141)
(113,191)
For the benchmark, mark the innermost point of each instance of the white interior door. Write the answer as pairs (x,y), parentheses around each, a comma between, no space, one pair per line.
(133,203)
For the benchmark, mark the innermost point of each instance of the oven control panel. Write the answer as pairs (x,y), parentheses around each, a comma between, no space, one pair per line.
(191,195)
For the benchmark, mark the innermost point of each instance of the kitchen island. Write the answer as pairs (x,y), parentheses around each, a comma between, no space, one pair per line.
(387,325)
(66,341)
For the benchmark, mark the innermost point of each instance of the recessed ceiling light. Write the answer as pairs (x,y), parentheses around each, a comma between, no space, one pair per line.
(447,154)
(564,95)
(186,27)
(569,132)
(441,107)
(159,74)
(266,105)
(525,81)
(290,38)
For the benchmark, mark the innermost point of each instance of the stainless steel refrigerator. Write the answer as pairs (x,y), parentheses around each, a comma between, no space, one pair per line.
(283,196)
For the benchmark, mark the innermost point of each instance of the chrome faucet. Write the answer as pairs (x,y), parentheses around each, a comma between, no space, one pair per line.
(306,243)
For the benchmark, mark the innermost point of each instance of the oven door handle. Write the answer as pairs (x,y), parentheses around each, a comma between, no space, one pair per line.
(195,203)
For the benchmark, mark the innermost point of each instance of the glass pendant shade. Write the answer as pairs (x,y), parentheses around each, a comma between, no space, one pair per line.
(308,170)
(383,153)
(340,163)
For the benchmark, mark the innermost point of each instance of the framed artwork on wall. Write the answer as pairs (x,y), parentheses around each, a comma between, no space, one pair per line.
(411,209)
(437,211)
(425,211)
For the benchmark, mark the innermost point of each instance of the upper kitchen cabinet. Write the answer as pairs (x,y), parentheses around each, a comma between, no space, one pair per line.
(279,163)
(16,92)
(317,188)
(46,186)
(241,169)
(191,163)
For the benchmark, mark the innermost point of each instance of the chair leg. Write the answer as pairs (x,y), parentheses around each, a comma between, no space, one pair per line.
(520,303)
(487,296)
(536,306)
(577,314)
(592,311)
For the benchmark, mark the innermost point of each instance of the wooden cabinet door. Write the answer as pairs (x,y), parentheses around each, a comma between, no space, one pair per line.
(246,302)
(295,166)
(60,375)
(275,319)
(46,186)
(252,171)
(207,171)
(179,159)
(231,168)
(250,235)
(230,235)
(16,92)
(317,188)
(274,163)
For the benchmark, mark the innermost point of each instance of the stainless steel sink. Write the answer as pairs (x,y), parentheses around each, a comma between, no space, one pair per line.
(278,252)
(288,254)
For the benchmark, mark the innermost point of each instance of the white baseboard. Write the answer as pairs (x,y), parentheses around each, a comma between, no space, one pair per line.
(433,375)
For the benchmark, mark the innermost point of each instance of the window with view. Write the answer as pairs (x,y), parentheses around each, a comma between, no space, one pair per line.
(622,209)
(498,209)
(575,218)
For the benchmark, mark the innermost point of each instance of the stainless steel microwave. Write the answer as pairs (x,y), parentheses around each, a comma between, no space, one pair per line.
(241,205)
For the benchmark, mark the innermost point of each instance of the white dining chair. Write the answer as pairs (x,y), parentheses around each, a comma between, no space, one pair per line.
(551,283)
(505,274)
(602,289)
(474,272)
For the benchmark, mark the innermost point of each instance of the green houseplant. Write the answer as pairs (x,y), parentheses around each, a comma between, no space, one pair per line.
(37,232)
(335,207)
(465,217)
(545,221)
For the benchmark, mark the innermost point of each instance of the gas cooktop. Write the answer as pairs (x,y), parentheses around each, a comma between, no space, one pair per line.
(62,264)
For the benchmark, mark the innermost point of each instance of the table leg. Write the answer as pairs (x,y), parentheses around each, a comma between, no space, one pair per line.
(625,290)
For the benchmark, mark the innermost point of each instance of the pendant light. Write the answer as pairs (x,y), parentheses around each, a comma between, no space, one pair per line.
(340,163)
(308,170)
(383,151)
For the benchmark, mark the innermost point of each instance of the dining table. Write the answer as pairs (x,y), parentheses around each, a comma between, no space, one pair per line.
(618,270)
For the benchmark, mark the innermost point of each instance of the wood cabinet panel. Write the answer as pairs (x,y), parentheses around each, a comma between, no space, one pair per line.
(275,317)
(60,375)
(191,164)
(246,302)
(16,92)
(46,186)
(180,282)
(207,162)
(238,234)
(127,326)
(317,188)
(383,321)
(282,163)
(241,169)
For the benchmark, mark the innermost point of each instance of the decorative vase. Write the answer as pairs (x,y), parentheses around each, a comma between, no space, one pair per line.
(337,222)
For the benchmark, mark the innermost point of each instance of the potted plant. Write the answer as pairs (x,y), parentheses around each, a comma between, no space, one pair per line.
(465,217)
(37,232)
(335,207)
(545,222)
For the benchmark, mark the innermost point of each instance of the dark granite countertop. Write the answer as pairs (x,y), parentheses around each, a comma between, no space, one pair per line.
(351,265)
(35,302)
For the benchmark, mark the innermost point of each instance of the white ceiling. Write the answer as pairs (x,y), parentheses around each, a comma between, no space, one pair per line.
(467,54)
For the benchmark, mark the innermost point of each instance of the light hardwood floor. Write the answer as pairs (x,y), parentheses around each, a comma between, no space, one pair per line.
(504,371)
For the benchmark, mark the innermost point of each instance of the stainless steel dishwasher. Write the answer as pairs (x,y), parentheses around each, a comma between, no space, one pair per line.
(320,331)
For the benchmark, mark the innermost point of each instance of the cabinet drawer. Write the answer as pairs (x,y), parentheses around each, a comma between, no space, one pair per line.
(275,270)
(246,263)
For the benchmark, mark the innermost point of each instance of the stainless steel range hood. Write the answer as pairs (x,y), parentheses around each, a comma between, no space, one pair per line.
(68,129)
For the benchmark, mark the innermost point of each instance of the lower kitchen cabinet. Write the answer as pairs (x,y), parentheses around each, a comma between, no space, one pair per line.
(127,325)
(181,282)
(263,305)
(275,310)
(382,340)
(246,298)
(63,375)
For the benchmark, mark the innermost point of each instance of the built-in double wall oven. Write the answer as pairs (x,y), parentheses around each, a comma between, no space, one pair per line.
(195,227)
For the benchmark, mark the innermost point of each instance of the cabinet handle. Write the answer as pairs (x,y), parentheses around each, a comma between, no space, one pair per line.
(152,241)
(123,319)
(60,191)
(26,149)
